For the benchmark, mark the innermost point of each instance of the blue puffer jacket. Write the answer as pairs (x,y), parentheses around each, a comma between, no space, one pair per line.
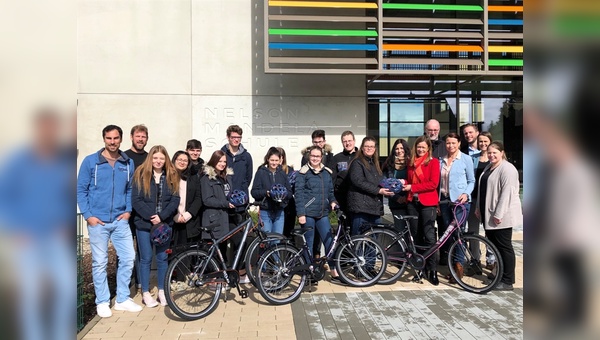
(314,192)
(264,181)
(103,191)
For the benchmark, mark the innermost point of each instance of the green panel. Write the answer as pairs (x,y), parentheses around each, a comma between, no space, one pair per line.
(301,31)
(434,7)
(505,62)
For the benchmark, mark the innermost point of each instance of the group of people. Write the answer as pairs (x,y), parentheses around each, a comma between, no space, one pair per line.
(122,194)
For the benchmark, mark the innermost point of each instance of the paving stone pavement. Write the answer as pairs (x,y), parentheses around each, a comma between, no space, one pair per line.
(404,310)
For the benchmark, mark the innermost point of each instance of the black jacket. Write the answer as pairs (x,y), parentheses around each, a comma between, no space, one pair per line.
(193,205)
(242,167)
(264,181)
(342,161)
(145,206)
(216,206)
(363,194)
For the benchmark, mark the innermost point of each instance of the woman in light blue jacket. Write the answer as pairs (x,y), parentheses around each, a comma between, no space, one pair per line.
(457,180)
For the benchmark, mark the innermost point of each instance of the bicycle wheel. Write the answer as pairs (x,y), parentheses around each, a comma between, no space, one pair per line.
(472,274)
(395,249)
(257,247)
(275,281)
(186,294)
(360,263)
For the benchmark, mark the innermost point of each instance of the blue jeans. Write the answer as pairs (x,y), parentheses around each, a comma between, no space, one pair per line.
(447,214)
(146,252)
(323,226)
(119,234)
(359,218)
(272,220)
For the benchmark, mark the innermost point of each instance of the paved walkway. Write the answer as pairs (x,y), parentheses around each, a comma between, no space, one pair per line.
(404,310)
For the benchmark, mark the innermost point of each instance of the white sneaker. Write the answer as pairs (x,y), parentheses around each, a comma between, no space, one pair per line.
(148,300)
(161,297)
(244,279)
(103,310)
(128,305)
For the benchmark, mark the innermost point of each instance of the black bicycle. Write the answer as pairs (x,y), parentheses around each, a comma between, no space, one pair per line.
(198,273)
(473,274)
(284,269)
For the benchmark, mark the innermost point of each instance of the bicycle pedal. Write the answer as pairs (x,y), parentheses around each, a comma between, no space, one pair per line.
(243,293)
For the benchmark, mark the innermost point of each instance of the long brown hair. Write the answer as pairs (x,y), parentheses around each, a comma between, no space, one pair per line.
(360,156)
(143,174)
(214,160)
(413,152)
(284,165)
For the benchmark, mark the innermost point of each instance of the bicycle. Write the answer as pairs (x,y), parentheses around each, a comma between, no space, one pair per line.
(476,277)
(283,269)
(198,273)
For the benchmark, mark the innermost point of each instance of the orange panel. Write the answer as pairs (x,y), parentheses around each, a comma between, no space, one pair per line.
(505,8)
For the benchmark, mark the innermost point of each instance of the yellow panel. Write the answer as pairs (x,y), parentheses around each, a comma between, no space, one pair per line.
(512,49)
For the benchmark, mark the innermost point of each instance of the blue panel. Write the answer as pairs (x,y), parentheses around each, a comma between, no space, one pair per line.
(510,22)
(332,47)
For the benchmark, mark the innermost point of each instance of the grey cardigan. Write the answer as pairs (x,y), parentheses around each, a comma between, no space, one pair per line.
(502,197)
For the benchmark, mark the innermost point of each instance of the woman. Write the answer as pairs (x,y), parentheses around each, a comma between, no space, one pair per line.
(289,212)
(423,181)
(364,194)
(499,208)
(314,200)
(155,198)
(268,175)
(187,220)
(456,184)
(480,161)
(396,166)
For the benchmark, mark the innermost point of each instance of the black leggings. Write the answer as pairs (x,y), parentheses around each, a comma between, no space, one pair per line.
(423,230)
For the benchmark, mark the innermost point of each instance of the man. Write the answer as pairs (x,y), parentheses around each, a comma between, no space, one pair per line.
(194,149)
(139,139)
(470,133)
(342,162)
(240,160)
(432,130)
(318,139)
(104,199)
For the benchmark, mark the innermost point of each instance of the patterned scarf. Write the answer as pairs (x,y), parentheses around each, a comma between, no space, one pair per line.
(159,193)
(417,174)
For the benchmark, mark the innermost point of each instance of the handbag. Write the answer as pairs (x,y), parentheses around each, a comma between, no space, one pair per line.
(161,233)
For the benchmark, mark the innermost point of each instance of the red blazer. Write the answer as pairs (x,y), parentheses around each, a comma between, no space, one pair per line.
(428,183)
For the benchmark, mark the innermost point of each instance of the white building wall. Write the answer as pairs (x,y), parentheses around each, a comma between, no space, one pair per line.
(188,69)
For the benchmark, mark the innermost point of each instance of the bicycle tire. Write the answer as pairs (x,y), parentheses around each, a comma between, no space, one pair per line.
(274,282)
(256,248)
(395,248)
(185,298)
(475,278)
(360,263)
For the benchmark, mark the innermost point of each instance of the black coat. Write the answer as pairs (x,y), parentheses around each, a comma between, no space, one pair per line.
(145,206)
(363,194)
(193,205)
(216,206)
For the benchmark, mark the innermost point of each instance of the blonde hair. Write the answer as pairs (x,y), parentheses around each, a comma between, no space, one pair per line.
(143,174)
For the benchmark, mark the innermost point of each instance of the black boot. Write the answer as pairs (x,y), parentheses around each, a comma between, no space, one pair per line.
(432,277)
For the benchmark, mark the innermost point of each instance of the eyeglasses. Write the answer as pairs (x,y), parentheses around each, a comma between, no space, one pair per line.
(369,146)
(316,156)
(182,160)
(235,137)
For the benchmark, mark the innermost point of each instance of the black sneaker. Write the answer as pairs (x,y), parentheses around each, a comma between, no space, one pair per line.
(336,280)
(503,286)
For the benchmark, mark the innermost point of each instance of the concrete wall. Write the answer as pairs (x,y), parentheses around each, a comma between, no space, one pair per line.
(188,69)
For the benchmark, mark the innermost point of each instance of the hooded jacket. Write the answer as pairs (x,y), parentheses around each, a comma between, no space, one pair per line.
(216,206)
(314,192)
(241,164)
(363,194)
(145,206)
(104,191)
(327,157)
(264,181)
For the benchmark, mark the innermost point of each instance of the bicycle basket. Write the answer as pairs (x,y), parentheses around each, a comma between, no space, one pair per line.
(278,192)
(392,184)
(238,197)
